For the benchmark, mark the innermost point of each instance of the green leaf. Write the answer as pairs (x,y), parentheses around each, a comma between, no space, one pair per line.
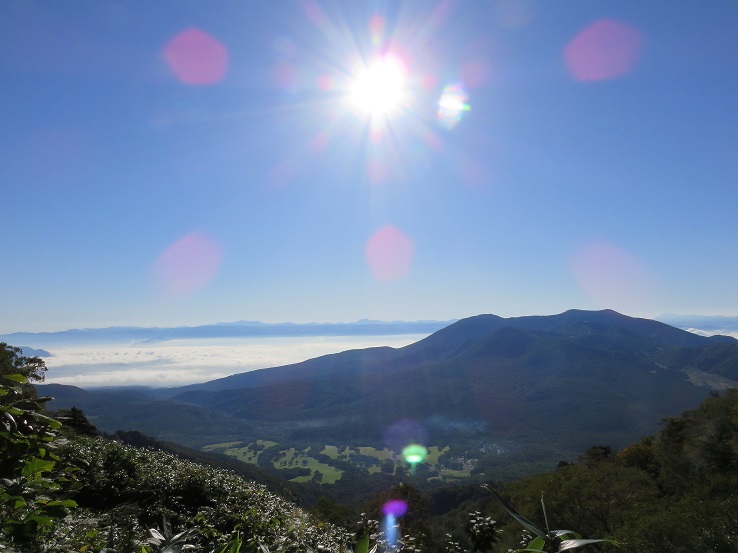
(41,520)
(545,517)
(9,422)
(53,423)
(362,546)
(18,378)
(572,544)
(560,533)
(517,516)
(36,466)
(62,503)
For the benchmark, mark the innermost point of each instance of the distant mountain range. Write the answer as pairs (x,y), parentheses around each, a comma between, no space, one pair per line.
(239,329)
(574,379)
(702,322)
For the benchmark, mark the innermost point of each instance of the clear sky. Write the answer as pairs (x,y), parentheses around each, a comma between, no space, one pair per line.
(192,162)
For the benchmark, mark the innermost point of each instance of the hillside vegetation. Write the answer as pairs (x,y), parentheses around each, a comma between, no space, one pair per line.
(63,490)
(676,491)
(66,489)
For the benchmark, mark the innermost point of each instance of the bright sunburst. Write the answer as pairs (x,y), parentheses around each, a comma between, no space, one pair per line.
(380,88)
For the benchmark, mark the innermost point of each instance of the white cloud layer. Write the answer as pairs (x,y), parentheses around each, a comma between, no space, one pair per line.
(180,362)
(723,332)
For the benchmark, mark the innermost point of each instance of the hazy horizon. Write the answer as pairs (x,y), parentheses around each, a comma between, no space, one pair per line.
(182,362)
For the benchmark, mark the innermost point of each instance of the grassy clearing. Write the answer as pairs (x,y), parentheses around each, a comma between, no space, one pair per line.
(246,454)
(221,447)
(434,453)
(381,454)
(330,451)
(291,459)
(450,473)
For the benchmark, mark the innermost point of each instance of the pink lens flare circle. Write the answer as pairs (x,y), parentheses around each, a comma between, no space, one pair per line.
(604,50)
(196,58)
(189,265)
(389,253)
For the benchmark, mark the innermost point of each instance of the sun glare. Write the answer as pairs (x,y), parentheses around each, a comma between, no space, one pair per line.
(379,89)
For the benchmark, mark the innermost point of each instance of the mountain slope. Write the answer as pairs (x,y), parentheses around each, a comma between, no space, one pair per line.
(580,377)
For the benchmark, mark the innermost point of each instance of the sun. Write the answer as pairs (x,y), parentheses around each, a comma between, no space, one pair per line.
(379,89)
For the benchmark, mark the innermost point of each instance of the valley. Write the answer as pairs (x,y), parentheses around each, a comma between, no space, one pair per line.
(511,401)
(516,395)
(327,465)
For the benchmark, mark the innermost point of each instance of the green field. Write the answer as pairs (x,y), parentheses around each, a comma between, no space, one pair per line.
(434,454)
(324,461)
(330,451)
(219,448)
(291,458)
(379,454)
(247,454)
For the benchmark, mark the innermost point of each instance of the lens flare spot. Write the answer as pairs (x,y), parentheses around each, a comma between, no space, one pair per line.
(611,276)
(325,83)
(429,81)
(315,13)
(452,106)
(377,170)
(376,134)
(395,508)
(404,432)
(475,73)
(284,75)
(389,253)
(604,50)
(414,454)
(377,26)
(188,265)
(433,141)
(196,58)
(319,142)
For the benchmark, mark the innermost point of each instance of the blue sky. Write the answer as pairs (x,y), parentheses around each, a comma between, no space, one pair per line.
(180,166)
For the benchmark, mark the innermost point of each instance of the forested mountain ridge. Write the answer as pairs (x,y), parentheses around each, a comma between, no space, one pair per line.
(580,377)
(458,338)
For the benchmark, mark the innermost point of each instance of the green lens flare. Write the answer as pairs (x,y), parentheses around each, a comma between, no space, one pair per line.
(414,453)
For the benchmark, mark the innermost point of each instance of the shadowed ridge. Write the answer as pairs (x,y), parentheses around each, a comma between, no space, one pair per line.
(326,365)
(655,330)
(455,338)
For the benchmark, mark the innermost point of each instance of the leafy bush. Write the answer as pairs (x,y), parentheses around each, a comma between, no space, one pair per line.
(32,477)
(150,485)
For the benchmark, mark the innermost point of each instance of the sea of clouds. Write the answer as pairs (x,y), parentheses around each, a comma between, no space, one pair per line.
(724,332)
(181,362)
